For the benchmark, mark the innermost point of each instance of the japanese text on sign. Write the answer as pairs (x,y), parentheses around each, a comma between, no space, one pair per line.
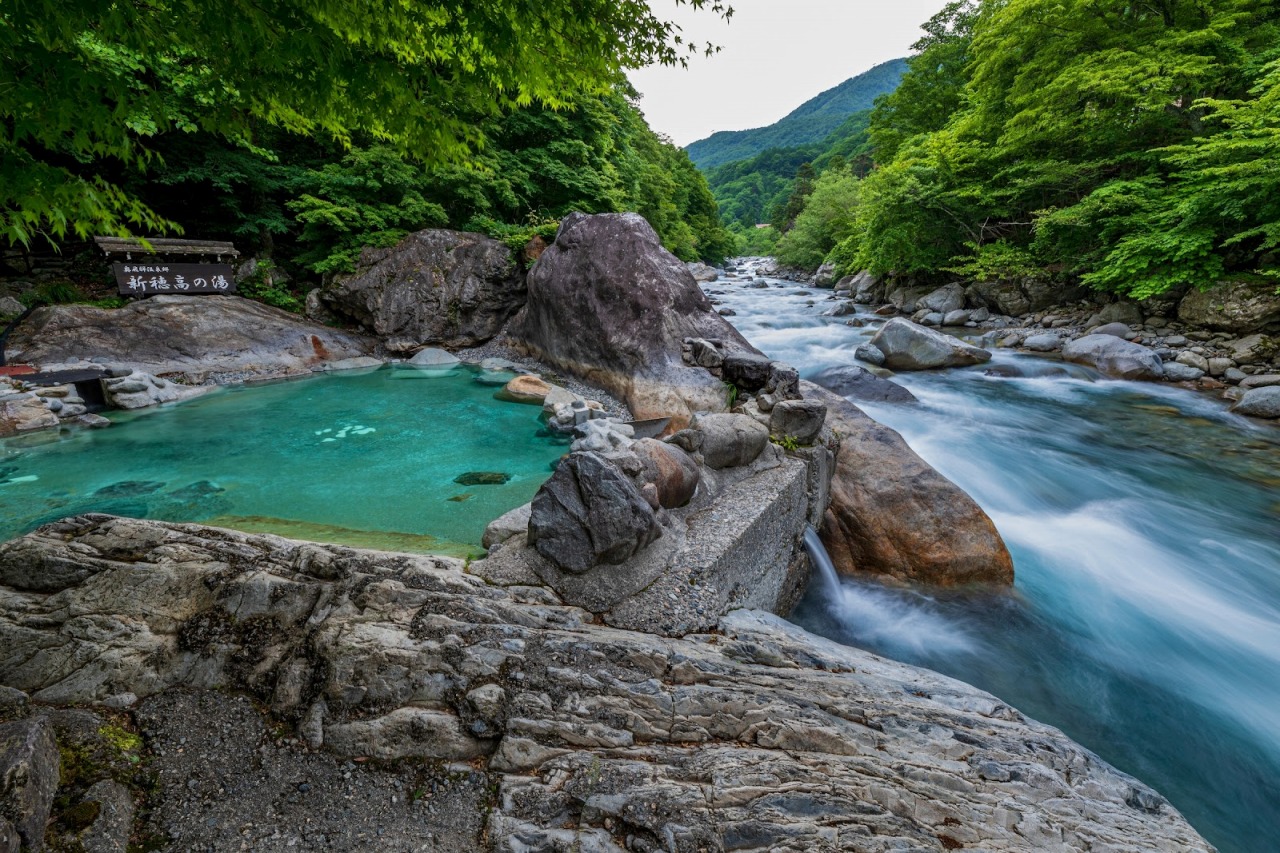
(147,279)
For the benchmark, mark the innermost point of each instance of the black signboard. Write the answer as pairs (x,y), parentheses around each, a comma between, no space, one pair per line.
(145,278)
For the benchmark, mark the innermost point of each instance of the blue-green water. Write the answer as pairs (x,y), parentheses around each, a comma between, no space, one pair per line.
(1144,523)
(364,458)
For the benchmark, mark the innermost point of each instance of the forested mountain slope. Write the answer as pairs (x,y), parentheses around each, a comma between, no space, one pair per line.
(809,123)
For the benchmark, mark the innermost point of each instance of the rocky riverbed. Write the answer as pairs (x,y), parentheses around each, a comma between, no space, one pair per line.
(595,683)
(1225,340)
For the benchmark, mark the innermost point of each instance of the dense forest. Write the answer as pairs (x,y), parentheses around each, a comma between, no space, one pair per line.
(1130,146)
(308,131)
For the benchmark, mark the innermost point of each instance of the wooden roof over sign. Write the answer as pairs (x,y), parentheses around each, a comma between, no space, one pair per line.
(166,246)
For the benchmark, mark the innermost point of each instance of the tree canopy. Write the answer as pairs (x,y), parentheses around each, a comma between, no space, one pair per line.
(88,88)
(1130,145)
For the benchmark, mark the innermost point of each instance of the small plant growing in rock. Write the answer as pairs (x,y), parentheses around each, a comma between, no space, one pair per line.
(731,394)
(786,442)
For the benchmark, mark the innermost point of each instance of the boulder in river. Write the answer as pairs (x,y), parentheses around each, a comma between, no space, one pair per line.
(849,380)
(1259,402)
(892,514)
(433,287)
(908,346)
(609,304)
(1114,357)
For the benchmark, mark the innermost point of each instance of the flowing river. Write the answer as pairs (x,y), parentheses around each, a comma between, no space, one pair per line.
(1144,523)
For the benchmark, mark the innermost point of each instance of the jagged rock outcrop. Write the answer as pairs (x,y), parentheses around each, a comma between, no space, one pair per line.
(199,336)
(433,287)
(892,514)
(1233,306)
(758,737)
(609,304)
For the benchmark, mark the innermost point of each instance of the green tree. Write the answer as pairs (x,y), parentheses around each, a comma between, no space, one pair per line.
(827,219)
(88,86)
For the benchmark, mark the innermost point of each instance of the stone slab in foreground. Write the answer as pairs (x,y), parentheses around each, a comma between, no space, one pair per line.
(198,336)
(759,736)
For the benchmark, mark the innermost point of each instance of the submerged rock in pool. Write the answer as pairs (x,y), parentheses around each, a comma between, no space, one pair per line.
(482,478)
(129,489)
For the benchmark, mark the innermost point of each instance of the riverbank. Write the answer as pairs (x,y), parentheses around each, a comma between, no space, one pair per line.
(1140,519)
(592,683)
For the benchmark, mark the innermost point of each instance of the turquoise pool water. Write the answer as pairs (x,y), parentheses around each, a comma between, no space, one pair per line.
(361,458)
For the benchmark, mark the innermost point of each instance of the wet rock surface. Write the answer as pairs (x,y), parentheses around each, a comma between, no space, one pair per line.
(861,384)
(581,736)
(907,346)
(893,514)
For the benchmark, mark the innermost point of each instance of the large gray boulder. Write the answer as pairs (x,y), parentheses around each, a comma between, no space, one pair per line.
(908,346)
(609,304)
(866,289)
(1259,402)
(200,336)
(589,513)
(755,736)
(892,514)
(730,440)
(944,300)
(1114,357)
(434,287)
(29,763)
(1233,306)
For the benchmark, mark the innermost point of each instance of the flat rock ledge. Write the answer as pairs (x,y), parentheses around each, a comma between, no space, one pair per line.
(577,735)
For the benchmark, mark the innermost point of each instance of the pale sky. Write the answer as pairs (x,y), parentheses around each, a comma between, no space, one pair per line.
(776,54)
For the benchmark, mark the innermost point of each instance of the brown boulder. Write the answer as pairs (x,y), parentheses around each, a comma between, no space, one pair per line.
(609,304)
(526,389)
(672,471)
(892,514)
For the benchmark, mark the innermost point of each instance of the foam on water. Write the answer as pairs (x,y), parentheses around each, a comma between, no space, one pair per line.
(1144,524)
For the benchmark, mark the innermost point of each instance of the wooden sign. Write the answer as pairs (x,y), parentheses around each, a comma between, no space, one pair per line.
(147,278)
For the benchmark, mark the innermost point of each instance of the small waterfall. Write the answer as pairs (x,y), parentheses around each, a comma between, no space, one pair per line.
(821,560)
(898,621)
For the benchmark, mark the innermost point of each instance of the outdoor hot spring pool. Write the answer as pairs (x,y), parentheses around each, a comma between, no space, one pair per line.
(368,459)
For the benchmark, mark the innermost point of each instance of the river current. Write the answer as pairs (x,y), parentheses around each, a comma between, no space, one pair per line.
(1144,523)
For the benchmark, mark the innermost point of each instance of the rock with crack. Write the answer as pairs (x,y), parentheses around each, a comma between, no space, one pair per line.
(760,736)
(434,287)
(892,514)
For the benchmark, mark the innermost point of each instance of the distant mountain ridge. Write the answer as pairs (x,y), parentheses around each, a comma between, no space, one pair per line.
(811,122)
